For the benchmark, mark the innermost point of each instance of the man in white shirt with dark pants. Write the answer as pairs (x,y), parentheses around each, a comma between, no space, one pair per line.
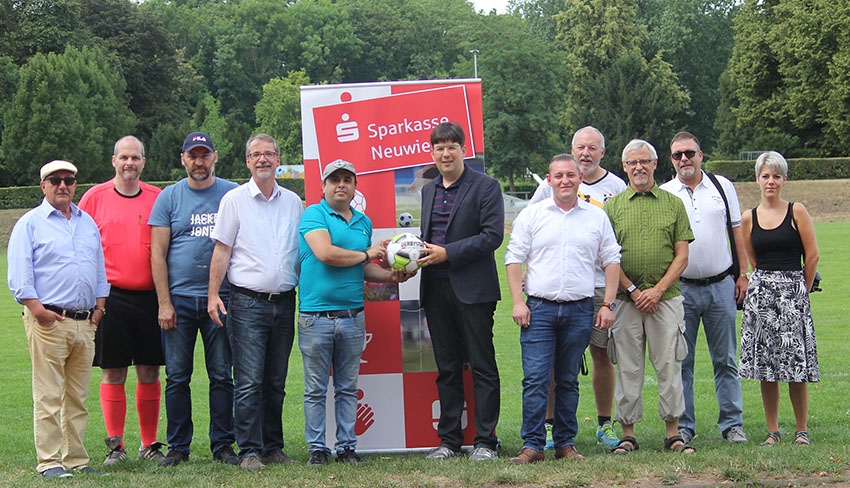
(561,240)
(709,289)
(597,186)
(256,243)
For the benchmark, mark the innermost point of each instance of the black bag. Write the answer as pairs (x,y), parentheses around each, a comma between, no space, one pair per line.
(735,269)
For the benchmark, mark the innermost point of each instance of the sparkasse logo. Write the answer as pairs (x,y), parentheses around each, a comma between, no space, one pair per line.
(347,131)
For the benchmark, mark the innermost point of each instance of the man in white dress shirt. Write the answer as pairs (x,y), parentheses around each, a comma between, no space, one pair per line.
(560,240)
(597,186)
(708,285)
(256,243)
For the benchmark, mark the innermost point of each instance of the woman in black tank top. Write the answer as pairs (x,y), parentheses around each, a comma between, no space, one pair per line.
(777,332)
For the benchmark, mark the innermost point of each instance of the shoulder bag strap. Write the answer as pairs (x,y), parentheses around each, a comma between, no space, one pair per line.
(735,270)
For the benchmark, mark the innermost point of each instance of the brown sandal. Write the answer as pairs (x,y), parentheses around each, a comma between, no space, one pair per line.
(681,447)
(626,445)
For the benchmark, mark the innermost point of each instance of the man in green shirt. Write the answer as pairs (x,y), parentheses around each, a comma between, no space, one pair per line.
(654,231)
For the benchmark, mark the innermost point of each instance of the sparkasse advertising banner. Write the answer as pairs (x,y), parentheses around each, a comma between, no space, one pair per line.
(384,130)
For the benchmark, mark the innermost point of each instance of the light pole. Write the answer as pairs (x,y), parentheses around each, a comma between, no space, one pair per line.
(475,60)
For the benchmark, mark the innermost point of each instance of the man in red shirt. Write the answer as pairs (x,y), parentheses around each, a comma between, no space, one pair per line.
(130,334)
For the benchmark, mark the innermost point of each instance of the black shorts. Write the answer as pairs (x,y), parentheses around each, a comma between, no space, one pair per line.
(129,333)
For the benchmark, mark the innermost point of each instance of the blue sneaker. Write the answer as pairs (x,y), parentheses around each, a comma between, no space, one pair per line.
(550,442)
(607,436)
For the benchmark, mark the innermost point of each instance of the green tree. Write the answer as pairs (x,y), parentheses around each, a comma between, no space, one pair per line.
(145,56)
(279,113)
(614,86)
(28,27)
(696,38)
(521,78)
(208,119)
(787,69)
(162,155)
(68,106)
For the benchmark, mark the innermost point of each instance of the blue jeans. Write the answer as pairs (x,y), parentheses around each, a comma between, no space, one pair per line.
(325,342)
(261,334)
(178,346)
(557,334)
(715,305)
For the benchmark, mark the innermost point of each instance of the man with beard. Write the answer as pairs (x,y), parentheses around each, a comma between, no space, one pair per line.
(256,244)
(597,186)
(129,334)
(182,219)
(708,285)
(653,229)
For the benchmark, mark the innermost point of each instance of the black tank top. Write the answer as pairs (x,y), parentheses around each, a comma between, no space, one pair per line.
(779,249)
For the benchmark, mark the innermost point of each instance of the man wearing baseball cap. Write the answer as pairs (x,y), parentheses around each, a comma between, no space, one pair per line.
(181,220)
(56,271)
(334,240)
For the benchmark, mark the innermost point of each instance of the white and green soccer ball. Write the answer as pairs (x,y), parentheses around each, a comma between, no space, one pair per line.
(403,252)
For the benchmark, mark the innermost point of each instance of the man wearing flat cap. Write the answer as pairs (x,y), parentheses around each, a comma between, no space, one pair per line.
(56,271)
(336,256)
(181,221)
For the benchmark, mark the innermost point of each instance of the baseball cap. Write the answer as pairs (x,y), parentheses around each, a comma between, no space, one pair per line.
(57,165)
(336,166)
(198,139)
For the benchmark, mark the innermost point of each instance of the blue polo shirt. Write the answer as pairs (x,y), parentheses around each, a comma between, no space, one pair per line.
(324,287)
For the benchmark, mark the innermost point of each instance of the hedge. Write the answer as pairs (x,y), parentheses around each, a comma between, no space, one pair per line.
(798,169)
(31,196)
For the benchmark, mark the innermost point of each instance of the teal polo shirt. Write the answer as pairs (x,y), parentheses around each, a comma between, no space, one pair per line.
(323,287)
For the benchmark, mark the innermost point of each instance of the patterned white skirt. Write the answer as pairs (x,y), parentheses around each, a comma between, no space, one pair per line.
(777,332)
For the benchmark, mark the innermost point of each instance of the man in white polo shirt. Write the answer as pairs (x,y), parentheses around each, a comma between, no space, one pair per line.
(709,289)
(256,244)
(561,240)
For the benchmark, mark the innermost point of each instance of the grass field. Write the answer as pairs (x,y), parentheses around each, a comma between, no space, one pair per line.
(715,463)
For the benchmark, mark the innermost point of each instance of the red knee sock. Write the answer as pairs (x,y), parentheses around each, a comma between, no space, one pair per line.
(113,402)
(147,404)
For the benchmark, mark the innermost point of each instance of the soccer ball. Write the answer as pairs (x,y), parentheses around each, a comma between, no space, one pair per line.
(403,252)
(359,201)
(405,219)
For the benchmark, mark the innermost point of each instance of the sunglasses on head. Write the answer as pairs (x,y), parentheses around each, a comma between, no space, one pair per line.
(678,154)
(56,180)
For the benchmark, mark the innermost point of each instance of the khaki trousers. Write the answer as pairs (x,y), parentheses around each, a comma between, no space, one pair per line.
(663,334)
(61,367)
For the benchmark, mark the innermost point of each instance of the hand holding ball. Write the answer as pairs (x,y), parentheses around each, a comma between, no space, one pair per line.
(403,252)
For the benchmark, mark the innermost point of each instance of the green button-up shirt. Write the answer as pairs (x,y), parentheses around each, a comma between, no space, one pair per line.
(648,225)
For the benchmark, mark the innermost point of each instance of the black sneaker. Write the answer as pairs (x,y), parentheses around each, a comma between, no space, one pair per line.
(173,459)
(348,455)
(318,458)
(226,455)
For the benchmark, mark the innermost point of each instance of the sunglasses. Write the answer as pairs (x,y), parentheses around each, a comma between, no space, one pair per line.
(56,180)
(689,154)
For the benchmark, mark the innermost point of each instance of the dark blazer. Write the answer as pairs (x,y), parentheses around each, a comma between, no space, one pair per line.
(475,230)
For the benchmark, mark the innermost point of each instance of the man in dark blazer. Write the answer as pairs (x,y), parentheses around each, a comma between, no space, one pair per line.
(463,221)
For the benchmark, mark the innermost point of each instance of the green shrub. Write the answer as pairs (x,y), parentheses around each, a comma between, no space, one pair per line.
(798,169)
(31,196)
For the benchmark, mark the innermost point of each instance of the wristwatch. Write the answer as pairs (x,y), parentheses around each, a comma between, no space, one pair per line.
(611,305)
(631,289)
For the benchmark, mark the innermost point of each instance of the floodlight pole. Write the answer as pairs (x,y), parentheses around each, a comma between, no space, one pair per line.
(475,60)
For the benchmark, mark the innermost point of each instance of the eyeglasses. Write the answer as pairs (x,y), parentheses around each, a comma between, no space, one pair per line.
(256,155)
(642,162)
(688,154)
(56,180)
(442,149)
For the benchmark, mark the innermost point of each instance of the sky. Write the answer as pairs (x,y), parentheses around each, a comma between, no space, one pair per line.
(487,5)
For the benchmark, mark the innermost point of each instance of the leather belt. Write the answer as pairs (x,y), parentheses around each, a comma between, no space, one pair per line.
(269,297)
(71,314)
(705,281)
(337,314)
